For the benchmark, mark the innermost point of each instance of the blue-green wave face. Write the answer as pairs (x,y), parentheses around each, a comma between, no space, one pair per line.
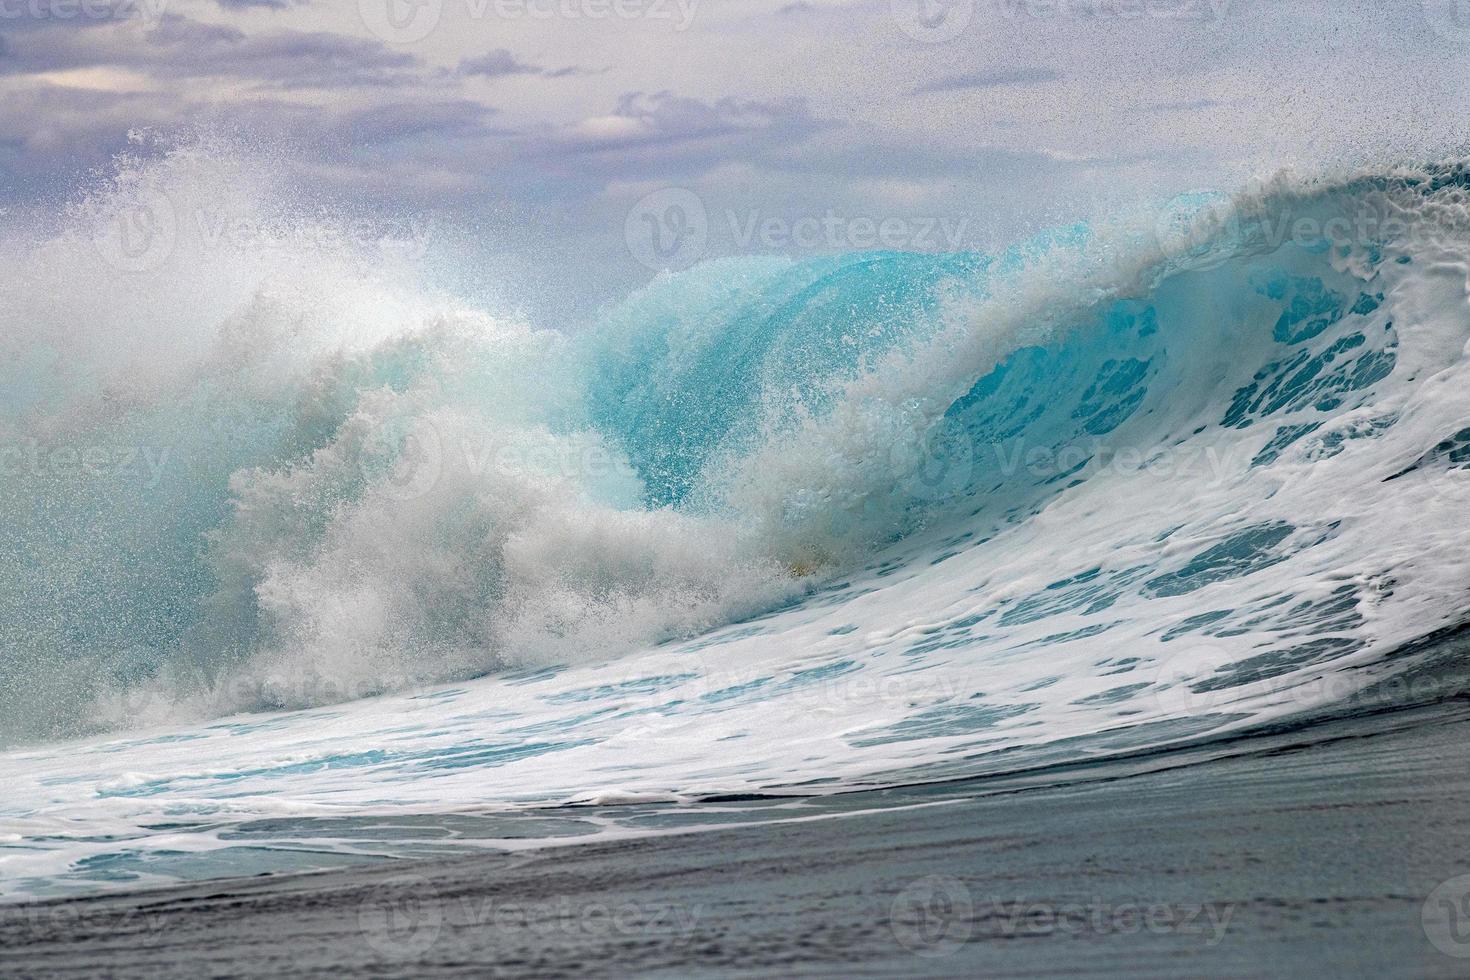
(704,364)
(273,481)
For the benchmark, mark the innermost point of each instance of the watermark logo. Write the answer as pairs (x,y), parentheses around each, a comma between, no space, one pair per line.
(404,463)
(410,21)
(933,917)
(150,12)
(1179,682)
(120,465)
(932,21)
(146,12)
(135,700)
(219,230)
(1199,231)
(1009,919)
(937,916)
(400,21)
(833,232)
(1451,485)
(680,13)
(671,229)
(668,229)
(1446,917)
(63,921)
(140,236)
(1445,469)
(1449,19)
(1206,12)
(402,917)
(940,465)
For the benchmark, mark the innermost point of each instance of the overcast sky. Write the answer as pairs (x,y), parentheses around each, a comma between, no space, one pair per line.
(544,123)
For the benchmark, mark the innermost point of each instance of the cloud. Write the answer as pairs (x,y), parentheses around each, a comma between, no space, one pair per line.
(664,119)
(990,79)
(1194,105)
(397,121)
(177,47)
(50,135)
(501,63)
(497,63)
(282,58)
(261,4)
(19,16)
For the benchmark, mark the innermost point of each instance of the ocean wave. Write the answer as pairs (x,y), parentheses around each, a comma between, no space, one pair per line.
(271,468)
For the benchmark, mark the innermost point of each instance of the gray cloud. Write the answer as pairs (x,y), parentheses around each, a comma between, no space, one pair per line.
(23,15)
(177,47)
(261,4)
(49,135)
(1193,105)
(414,120)
(989,79)
(501,63)
(285,58)
(666,120)
(497,63)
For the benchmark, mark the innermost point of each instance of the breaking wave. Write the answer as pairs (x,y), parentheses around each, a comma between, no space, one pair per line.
(767,522)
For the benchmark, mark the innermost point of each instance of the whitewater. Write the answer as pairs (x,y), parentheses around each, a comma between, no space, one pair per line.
(306,561)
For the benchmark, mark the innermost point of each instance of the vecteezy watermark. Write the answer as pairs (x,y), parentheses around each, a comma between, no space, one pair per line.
(400,21)
(1006,919)
(941,465)
(1445,917)
(146,12)
(814,689)
(671,229)
(933,917)
(933,21)
(141,234)
(403,917)
(831,231)
(1199,231)
(667,229)
(62,921)
(406,459)
(138,236)
(1202,679)
(948,459)
(403,461)
(1203,229)
(1185,682)
(811,690)
(572,461)
(1187,11)
(136,698)
(1450,19)
(33,459)
(940,21)
(219,230)
(410,21)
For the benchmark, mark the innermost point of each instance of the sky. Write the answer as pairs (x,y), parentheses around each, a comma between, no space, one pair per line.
(582,146)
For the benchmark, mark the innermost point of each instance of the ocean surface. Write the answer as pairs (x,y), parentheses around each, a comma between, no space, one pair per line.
(307,564)
(1334,847)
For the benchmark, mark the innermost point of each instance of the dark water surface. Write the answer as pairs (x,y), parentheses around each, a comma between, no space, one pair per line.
(1334,850)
